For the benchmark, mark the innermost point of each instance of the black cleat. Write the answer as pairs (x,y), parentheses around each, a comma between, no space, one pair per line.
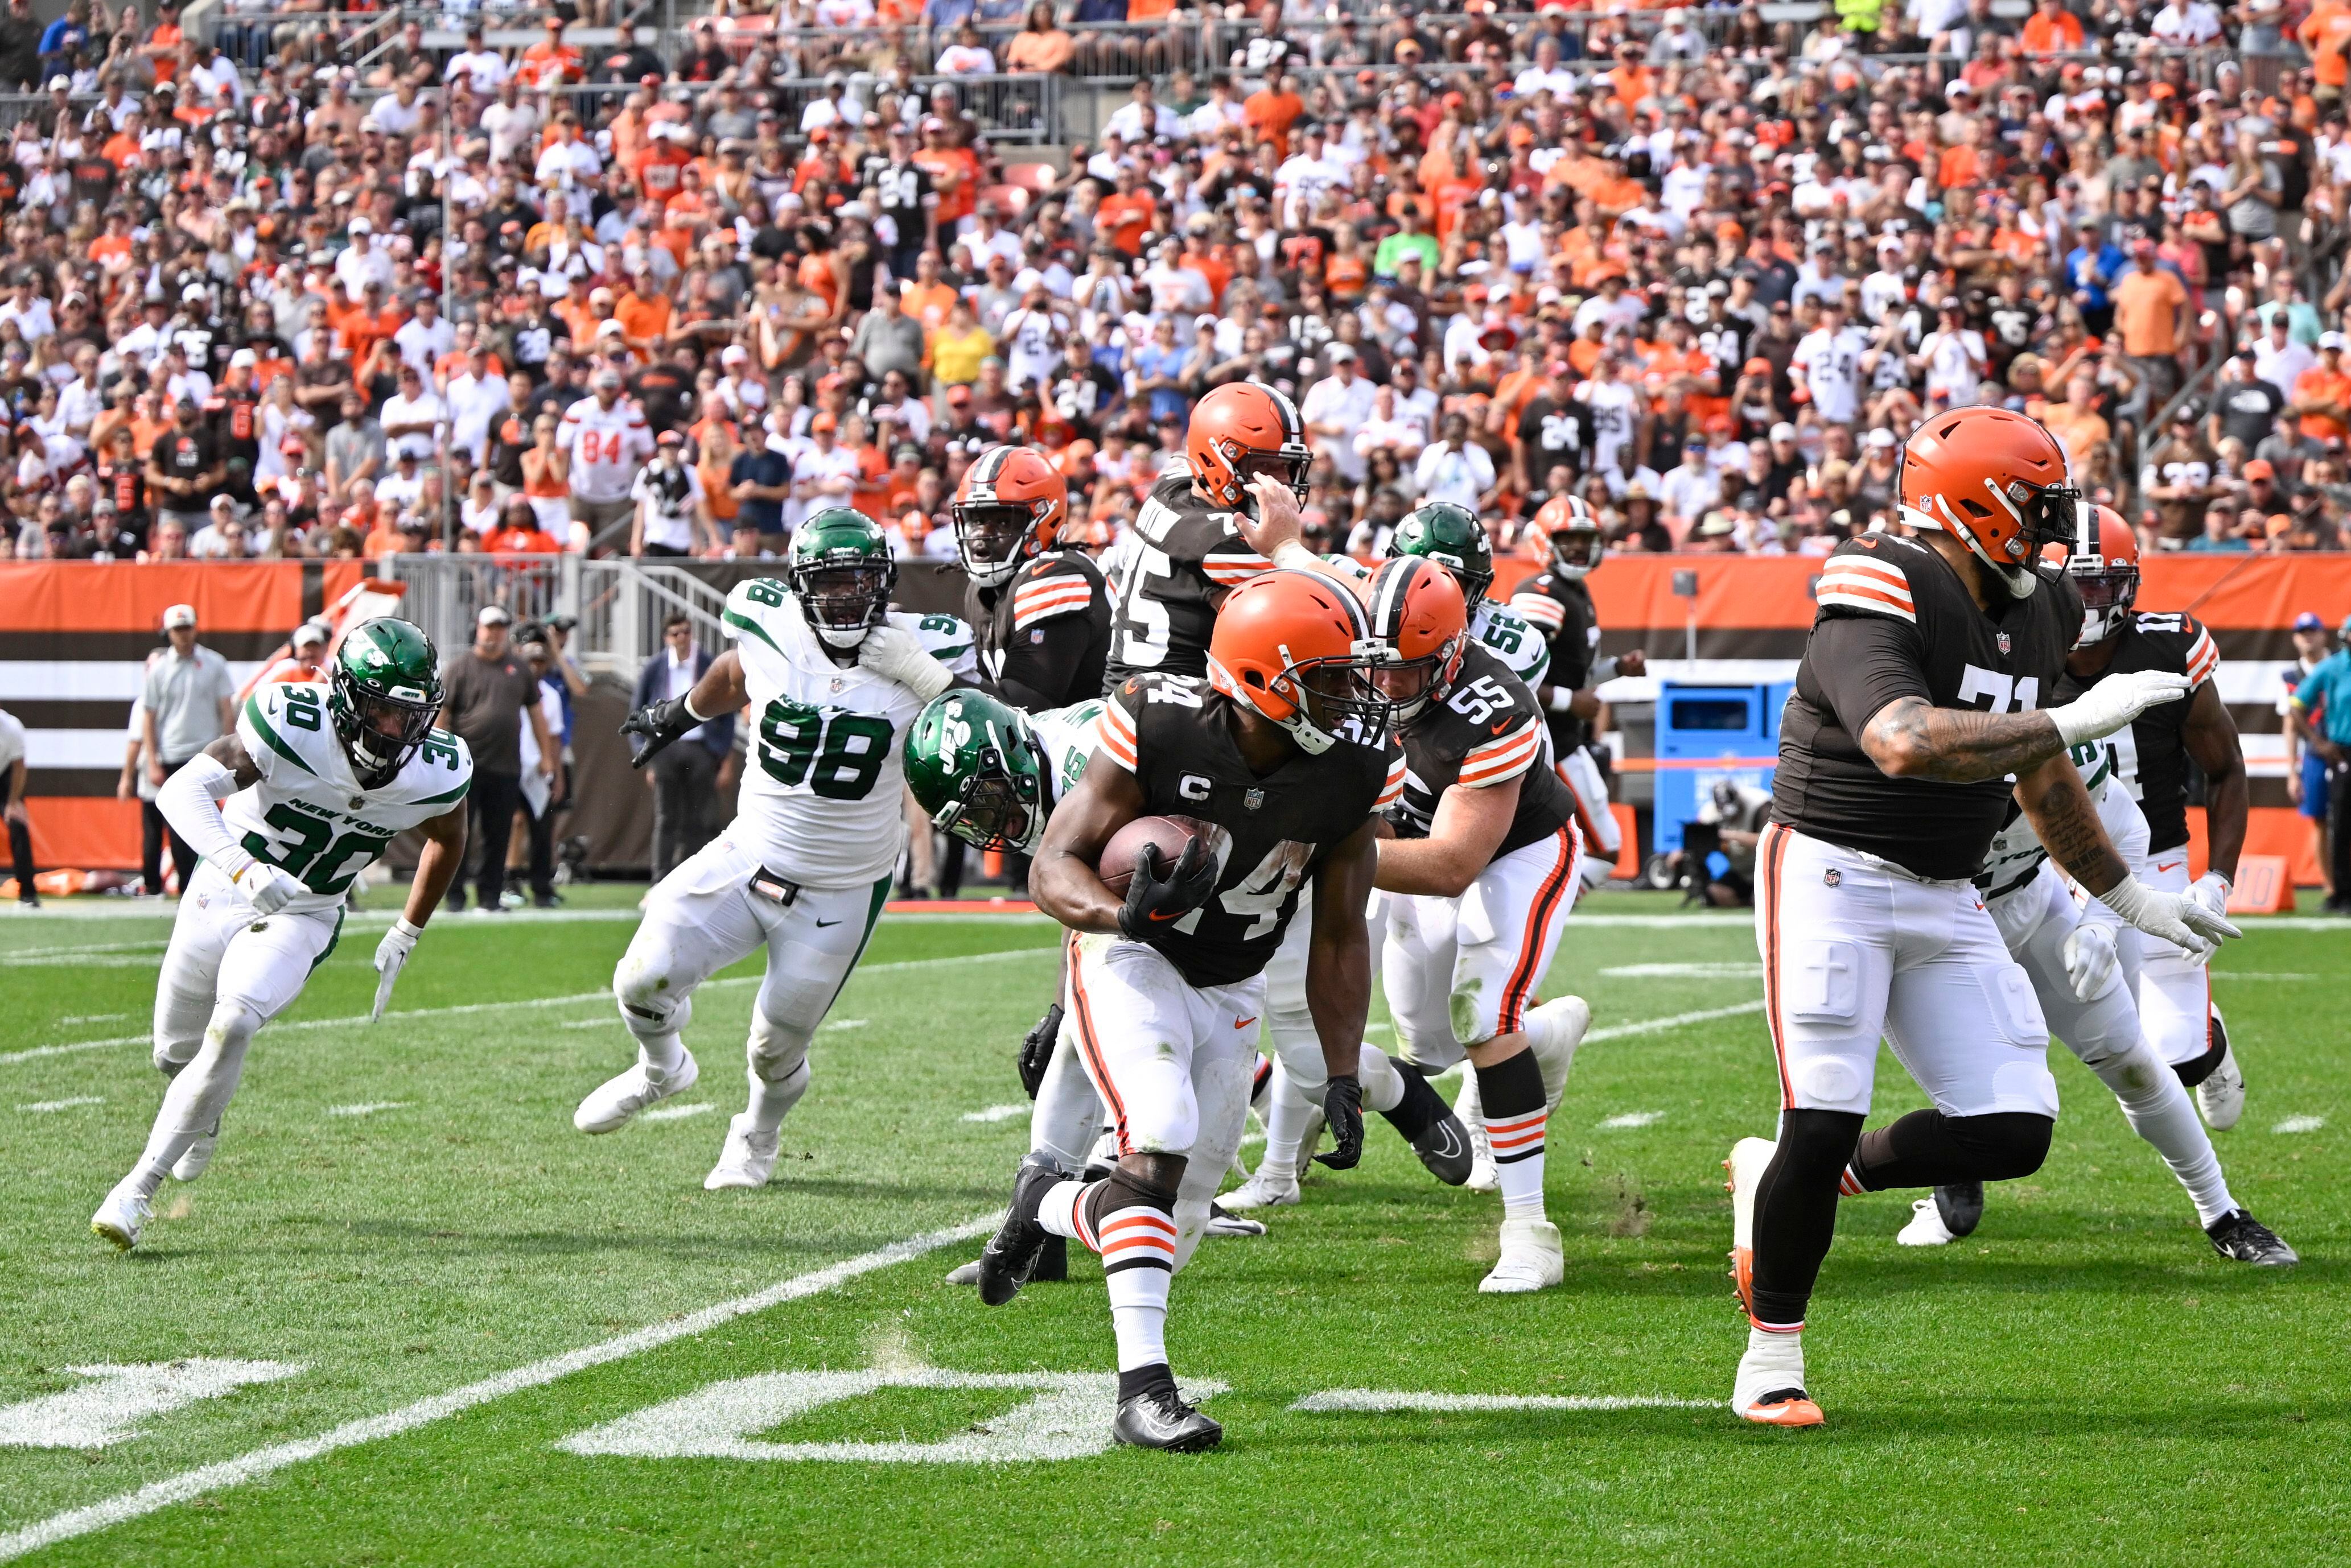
(1961,1206)
(2242,1239)
(1158,1418)
(1443,1148)
(1052,1261)
(1010,1258)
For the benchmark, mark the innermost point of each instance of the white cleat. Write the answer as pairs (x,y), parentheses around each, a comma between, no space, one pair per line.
(196,1157)
(747,1160)
(1925,1228)
(1747,1158)
(616,1101)
(1266,1189)
(2221,1097)
(965,1274)
(1531,1259)
(120,1216)
(1555,1029)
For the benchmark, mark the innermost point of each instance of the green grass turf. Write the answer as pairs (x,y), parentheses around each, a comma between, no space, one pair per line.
(2083,1380)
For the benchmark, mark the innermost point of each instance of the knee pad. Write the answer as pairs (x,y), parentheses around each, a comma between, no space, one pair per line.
(232,1025)
(775,1052)
(647,1003)
(1124,1189)
(2006,1144)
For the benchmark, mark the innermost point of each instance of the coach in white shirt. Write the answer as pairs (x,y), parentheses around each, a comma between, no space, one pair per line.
(1335,407)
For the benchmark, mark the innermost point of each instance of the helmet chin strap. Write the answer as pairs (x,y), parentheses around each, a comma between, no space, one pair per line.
(2018,582)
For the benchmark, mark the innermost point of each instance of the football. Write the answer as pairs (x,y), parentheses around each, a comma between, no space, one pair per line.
(1170,833)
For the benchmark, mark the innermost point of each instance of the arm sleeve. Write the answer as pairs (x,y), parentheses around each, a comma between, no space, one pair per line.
(190,801)
(1861,662)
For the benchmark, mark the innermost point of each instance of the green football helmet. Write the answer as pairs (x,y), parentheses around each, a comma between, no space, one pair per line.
(842,572)
(979,771)
(1451,536)
(383,695)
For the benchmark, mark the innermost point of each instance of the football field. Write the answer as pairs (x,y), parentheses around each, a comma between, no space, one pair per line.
(410,1315)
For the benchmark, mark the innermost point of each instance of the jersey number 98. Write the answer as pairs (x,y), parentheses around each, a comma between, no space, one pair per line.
(837,756)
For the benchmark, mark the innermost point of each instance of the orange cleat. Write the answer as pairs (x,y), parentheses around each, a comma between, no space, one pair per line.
(1784,1408)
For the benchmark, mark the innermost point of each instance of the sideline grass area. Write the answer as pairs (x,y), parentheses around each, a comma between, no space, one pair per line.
(2082,1381)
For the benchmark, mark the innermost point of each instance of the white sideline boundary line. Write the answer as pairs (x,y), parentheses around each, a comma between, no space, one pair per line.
(267,1461)
(575,999)
(1367,1401)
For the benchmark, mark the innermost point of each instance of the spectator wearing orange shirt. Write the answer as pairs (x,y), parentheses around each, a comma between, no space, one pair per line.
(1271,111)
(2322,394)
(658,167)
(643,313)
(2052,29)
(2327,33)
(1126,213)
(2151,316)
(551,62)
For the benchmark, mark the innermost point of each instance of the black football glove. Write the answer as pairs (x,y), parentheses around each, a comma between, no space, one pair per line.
(1156,899)
(1036,1051)
(653,727)
(1342,1113)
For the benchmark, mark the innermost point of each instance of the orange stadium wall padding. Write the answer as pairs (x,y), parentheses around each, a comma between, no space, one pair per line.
(104,617)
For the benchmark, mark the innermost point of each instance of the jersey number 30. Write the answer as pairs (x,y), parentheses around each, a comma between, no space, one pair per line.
(837,756)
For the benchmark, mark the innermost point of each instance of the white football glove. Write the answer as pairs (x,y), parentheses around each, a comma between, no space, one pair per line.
(265,887)
(2089,960)
(2212,891)
(896,654)
(2174,918)
(390,954)
(2115,702)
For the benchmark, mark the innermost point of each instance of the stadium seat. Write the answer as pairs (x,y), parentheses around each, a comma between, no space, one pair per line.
(1036,177)
(1010,200)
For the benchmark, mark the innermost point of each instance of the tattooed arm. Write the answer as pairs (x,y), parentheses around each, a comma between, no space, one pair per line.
(1910,739)
(2066,820)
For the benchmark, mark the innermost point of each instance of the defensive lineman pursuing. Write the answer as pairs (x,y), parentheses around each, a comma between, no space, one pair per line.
(1918,698)
(832,676)
(316,781)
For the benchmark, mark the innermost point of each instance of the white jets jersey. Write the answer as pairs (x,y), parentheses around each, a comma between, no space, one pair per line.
(822,793)
(607,447)
(307,813)
(1068,735)
(1504,631)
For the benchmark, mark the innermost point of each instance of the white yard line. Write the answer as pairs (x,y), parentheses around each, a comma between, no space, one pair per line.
(1658,1025)
(267,1461)
(676,1113)
(1684,972)
(1635,1120)
(577,999)
(996,1114)
(1371,1400)
(41,1107)
(369,1108)
(2299,1125)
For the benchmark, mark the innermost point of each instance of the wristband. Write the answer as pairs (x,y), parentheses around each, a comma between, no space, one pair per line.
(1603,670)
(1561,699)
(697,718)
(405,928)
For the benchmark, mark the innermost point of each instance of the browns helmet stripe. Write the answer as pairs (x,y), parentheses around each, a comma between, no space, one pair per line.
(1391,589)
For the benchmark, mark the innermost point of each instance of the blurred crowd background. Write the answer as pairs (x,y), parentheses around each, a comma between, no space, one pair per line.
(291,281)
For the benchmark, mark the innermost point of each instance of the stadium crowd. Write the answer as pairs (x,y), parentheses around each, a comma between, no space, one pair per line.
(664,296)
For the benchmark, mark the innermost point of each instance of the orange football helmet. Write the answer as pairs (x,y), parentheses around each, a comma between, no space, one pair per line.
(1007,511)
(1567,536)
(1240,430)
(1996,482)
(1298,648)
(1418,613)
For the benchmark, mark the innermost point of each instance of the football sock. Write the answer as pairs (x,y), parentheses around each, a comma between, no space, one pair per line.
(1928,1148)
(771,1098)
(1774,1361)
(198,1094)
(2159,1110)
(1068,1114)
(1132,1224)
(661,1054)
(1795,1210)
(1382,1079)
(1288,1114)
(1058,1210)
(1512,1093)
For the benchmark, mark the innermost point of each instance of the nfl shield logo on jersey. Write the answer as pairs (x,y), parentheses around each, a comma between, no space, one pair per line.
(1253,799)
(2003,642)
